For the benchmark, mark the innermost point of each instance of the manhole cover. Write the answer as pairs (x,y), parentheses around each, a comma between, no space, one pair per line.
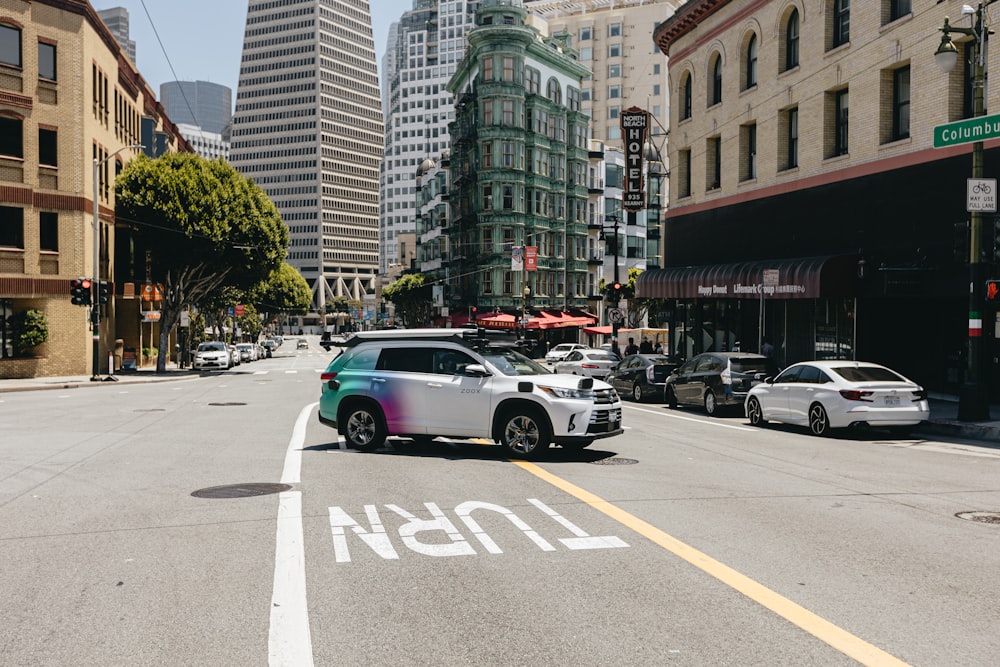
(614,461)
(980,517)
(225,404)
(247,490)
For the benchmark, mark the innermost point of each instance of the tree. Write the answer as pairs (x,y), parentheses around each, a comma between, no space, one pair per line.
(30,328)
(202,224)
(284,290)
(249,322)
(412,297)
(638,309)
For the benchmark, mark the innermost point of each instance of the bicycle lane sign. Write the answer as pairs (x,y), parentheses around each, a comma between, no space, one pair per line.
(981,195)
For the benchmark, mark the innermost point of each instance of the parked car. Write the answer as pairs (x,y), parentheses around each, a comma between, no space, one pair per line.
(592,363)
(213,354)
(717,379)
(559,352)
(247,352)
(234,355)
(642,376)
(269,346)
(302,344)
(825,395)
(607,347)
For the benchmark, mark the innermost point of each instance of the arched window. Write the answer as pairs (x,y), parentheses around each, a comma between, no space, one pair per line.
(750,79)
(554,92)
(792,40)
(686,96)
(715,92)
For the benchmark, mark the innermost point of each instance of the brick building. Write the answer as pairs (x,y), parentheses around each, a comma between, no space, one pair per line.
(68,95)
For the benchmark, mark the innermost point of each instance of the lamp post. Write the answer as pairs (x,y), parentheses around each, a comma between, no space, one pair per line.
(614,300)
(973,400)
(95,294)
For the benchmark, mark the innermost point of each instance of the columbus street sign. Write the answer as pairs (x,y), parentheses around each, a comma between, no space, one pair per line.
(967,131)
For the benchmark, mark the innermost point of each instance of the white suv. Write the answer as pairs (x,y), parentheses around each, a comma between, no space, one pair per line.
(424,383)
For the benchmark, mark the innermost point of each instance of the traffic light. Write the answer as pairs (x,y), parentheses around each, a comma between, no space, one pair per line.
(79,289)
(618,292)
(103,292)
(993,290)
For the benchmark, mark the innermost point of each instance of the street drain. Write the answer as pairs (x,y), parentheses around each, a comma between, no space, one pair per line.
(614,461)
(247,490)
(980,517)
(227,404)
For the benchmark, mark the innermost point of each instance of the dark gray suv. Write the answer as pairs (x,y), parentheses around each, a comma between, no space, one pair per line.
(717,379)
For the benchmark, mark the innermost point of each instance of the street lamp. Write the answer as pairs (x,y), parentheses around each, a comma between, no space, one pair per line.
(96,297)
(616,218)
(973,400)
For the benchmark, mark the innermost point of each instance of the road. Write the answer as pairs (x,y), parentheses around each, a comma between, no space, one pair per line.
(688,540)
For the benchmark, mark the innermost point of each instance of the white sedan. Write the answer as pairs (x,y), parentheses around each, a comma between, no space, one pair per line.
(559,352)
(592,363)
(825,395)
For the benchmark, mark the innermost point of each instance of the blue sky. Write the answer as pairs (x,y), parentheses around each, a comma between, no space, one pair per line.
(203,38)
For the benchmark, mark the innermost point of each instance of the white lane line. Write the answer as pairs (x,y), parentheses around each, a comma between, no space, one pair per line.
(289,641)
(291,371)
(260,372)
(692,419)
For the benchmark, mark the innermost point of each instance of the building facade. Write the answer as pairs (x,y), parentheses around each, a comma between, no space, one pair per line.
(200,103)
(69,96)
(518,163)
(808,203)
(117,20)
(308,130)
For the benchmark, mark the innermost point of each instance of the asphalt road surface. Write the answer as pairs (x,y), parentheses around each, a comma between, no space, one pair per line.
(129,535)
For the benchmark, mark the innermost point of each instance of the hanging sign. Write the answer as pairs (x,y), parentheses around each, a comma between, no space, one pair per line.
(634,122)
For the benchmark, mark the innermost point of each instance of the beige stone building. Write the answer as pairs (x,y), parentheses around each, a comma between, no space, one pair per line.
(808,203)
(68,95)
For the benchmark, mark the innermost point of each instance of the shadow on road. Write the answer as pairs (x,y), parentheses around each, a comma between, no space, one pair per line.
(465,450)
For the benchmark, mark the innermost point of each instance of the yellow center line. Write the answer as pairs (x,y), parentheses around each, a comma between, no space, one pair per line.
(838,638)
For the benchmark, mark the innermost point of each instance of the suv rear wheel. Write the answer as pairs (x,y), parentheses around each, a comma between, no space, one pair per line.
(364,428)
(524,433)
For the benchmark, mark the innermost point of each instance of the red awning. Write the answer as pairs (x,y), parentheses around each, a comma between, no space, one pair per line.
(498,321)
(560,320)
(598,331)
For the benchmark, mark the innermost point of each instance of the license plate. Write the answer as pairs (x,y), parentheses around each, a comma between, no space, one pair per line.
(892,400)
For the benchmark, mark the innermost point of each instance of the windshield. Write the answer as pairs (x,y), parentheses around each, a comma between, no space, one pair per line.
(866,374)
(211,347)
(510,362)
(750,365)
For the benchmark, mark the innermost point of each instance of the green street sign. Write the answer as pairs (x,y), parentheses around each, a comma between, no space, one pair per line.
(967,131)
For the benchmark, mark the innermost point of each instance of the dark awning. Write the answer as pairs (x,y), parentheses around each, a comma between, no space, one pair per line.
(794,278)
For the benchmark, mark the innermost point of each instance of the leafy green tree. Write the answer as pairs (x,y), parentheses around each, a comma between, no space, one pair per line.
(284,290)
(412,297)
(30,328)
(203,225)
(249,322)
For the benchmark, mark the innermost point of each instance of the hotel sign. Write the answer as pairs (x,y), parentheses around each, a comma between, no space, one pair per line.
(967,131)
(634,122)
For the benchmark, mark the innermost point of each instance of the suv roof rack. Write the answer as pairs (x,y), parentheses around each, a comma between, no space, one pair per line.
(469,337)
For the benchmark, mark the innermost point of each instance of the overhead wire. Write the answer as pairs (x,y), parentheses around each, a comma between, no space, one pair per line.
(166,57)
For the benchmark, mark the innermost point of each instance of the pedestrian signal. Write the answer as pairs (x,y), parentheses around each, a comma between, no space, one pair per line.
(992,290)
(103,292)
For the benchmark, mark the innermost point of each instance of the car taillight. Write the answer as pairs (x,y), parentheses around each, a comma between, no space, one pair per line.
(651,373)
(920,395)
(327,376)
(589,366)
(856,395)
(727,375)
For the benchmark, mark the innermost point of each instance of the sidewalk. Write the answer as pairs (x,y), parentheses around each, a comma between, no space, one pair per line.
(943,421)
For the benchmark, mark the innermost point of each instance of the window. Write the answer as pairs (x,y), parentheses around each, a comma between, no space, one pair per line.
(791,51)
(554,91)
(751,63)
(488,155)
(839,143)
(684,173)
(614,112)
(508,69)
(573,99)
(508,112)
(586,34)
(11,139)
(46,61)
(901,103)
(791,120)
(508,154)
(10,45)
(615,30)
(508,197)
(48,153)
(614,92)
(11,227)
(487,112)
(841,17)
(487,202)
(715,93)
(48,231)
(899,9)
(587,53)
(748,151)
(614,71)
(533,81)
(615,51)
(488,282)
(488,68)
(686,96)
(713,163)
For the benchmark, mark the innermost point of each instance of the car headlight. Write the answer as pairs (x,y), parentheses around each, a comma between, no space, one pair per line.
(563,392)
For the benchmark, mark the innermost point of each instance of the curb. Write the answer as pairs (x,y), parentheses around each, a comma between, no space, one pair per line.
(144,378)
(960,430)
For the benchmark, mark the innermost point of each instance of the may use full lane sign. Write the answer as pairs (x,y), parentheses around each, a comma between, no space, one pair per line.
(634,122)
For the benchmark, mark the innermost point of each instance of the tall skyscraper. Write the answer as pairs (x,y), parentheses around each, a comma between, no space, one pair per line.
(308,129)
(424,48)
(203,103)
(116,18)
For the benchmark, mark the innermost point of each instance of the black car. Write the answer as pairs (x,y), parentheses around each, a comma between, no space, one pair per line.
(641,376)
(717,379)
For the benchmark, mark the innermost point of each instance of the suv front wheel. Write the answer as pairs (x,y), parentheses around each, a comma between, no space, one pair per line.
(364,428)
(524,433)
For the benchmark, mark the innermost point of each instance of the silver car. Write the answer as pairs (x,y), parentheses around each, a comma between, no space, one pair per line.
(592,363)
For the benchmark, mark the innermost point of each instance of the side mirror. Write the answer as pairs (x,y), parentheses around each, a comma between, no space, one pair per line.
(476,370)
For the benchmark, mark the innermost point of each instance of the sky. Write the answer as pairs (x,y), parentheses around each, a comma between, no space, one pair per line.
(203,39)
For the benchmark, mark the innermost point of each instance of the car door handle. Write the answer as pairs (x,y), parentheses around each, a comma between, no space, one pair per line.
(434,385)
(379,380)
